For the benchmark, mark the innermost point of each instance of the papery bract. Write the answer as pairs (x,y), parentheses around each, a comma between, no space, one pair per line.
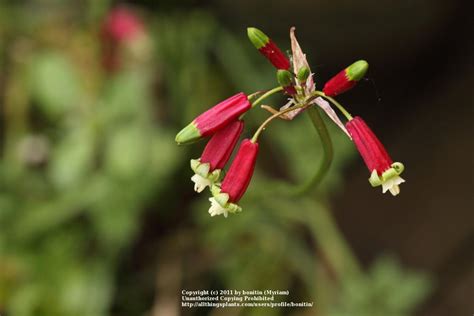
(299,64)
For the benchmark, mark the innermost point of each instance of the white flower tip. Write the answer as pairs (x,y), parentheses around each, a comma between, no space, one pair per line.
(216,208)
(392,185)
(200,183)
(395,190)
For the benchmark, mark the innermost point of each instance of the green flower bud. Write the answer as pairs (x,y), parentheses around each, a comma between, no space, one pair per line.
(357,70)
(284,78)
(257,37)
(303,74)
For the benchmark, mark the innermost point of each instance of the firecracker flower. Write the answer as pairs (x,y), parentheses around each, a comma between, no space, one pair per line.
(123,31)
(214,119)
(225,196)
(268,48)
(122,24)
(217,152)
(383,170)
(346,79)
(224,122)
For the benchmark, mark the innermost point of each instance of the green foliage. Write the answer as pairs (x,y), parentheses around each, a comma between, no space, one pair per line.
(54,84)
(386,290)
(66,218)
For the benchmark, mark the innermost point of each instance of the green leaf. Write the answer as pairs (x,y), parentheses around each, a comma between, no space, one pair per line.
(72,158)
(388,289)
(127,154)
(54,84)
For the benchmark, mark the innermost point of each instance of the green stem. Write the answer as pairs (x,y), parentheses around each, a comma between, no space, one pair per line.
(268,120)
(336,251)
(337,104)
(326,143)
(255,94)
(266,95)
(333,245)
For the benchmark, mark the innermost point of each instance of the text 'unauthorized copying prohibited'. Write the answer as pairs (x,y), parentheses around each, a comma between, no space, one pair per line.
(239,298)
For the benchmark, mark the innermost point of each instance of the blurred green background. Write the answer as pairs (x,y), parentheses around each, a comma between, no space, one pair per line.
(97,211)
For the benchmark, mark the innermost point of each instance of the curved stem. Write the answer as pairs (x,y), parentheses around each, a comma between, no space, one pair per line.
(326,143)
(268,120)
(266,95)
(337,104)
(255,94)
(331,241)
(334,247)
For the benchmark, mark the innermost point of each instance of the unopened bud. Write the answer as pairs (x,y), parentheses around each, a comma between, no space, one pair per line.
(285,79)
(303,74)
(346,79)
(268,48)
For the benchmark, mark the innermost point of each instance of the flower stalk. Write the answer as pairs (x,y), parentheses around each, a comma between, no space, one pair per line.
(327,155)
(266,95)
(274,116)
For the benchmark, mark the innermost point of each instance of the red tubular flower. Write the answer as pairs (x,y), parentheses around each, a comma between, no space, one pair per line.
(383,170)
(236,181)
(346,79)
(121,27)
(215,155)
(214,119)
(240,172)
(268,48)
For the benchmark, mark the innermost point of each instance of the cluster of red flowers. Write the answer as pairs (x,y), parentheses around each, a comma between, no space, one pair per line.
(223,124)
